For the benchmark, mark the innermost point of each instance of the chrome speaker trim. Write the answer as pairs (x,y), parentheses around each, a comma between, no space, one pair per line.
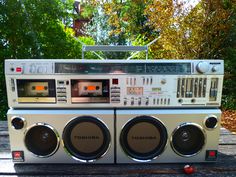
(186,124)
(48,126)
(84,160)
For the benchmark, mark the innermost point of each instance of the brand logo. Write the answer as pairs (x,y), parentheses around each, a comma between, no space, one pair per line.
(87,137)
(144,137)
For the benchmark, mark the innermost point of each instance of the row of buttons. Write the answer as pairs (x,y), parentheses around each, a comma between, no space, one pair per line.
(138,100)
(161,101)
(131,81)
(61,90)
(147,80)
(146,101)
(61,94)
(115,94)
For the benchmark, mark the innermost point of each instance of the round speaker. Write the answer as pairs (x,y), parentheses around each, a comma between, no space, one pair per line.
(211,122)
(188,139)
(86,138)
(143,138)
(42,140)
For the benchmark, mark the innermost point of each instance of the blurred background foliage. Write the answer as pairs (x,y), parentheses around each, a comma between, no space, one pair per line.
(203,29)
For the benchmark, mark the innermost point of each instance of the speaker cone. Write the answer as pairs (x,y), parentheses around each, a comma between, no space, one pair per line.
(42,140)
(143,138)
(188,139)
(86,138)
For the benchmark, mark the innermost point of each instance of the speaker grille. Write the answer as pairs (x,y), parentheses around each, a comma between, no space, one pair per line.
(143,138)
(188,139)
(42,140)
(86,138)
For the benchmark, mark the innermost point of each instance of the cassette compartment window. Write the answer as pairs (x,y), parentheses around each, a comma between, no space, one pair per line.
(36,91)
(90,91)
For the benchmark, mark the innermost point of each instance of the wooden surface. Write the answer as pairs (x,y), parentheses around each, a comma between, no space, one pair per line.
(225,166)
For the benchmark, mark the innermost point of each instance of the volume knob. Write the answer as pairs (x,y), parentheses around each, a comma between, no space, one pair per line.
(202,67)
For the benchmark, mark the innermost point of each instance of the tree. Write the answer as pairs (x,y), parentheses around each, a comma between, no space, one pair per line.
(195,34)
(34,29)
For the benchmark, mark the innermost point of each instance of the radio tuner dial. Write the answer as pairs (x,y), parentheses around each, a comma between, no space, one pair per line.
(202,67)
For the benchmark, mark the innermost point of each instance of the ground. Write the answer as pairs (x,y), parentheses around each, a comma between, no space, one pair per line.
(229,120)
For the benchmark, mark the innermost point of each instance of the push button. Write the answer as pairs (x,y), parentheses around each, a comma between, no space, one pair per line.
(19,70)
(18,156)
(211,155)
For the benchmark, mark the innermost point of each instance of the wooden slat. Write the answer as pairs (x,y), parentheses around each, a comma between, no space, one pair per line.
(224,131)
(5,155)
(228,139)
(229,150)
(120,169)
(5,146)
(3,124)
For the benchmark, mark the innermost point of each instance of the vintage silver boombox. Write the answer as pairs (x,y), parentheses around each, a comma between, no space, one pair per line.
(114,83)
(114,136)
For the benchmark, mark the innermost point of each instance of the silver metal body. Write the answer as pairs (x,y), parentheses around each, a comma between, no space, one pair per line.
(131,84)
(115,121)
(172,119)
(57,119)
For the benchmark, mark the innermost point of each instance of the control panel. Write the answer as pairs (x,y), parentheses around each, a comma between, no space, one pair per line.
(115,83)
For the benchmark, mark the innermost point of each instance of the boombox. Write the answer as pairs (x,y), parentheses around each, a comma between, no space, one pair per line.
(114,83)
(113,135)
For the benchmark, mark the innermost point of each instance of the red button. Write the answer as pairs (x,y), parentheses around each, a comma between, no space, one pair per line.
(18,69)
(16,154)
(212,153)
(115,81)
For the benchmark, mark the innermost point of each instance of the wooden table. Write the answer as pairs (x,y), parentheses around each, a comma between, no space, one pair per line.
(225,166)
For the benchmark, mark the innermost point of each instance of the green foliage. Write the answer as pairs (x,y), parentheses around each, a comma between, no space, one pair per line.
(229,55)
(87,11)
(100,30)
(39,29)
(88,41)
(35,29)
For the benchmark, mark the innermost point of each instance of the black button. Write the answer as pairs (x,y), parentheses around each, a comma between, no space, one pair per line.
(17,123)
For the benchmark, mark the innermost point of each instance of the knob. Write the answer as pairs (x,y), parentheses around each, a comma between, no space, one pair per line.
(211,122)
(139,101)
(125,101)
(202,67)
(163,81)
(147,101)
(214,68)
(132,101)
(17,123)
